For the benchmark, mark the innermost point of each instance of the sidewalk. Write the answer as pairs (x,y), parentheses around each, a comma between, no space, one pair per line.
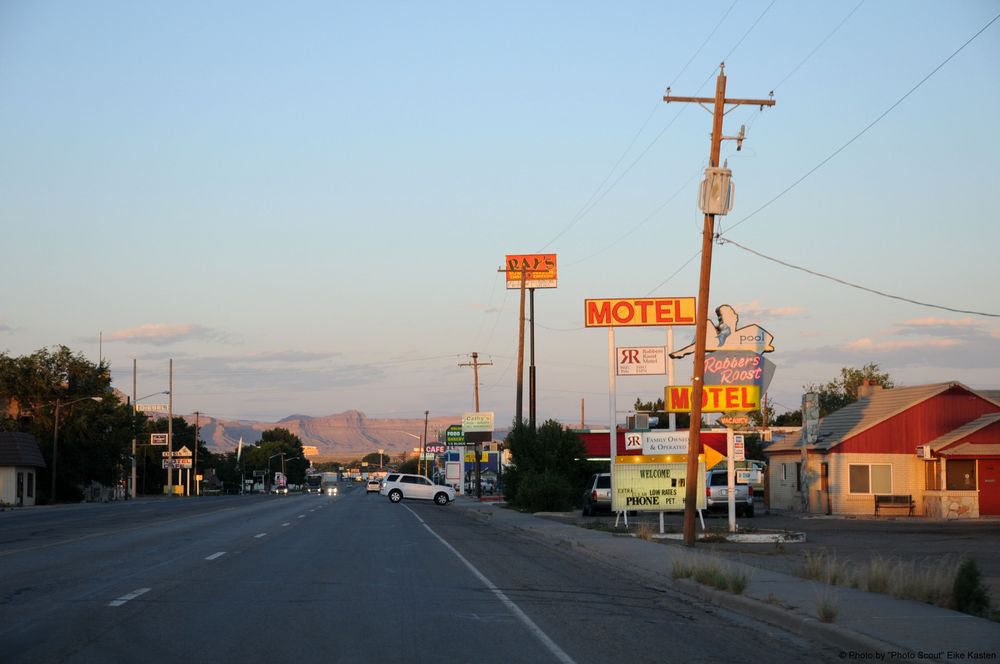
(867,625)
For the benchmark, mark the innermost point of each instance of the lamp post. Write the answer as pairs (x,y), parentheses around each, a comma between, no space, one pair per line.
(380,453)
(413,435)
(135,408)
(267,479)
(55,437)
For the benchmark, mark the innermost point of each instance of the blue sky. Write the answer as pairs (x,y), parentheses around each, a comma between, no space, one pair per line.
(305,204)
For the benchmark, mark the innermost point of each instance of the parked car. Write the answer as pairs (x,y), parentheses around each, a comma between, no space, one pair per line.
(373,486)
(597,496)
(717,494)
(400,485)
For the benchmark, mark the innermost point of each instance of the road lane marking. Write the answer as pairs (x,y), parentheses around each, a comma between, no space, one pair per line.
(259,535)
(132,595)
(106,533)
(286,523)
(302,516)
(556,651)
(215,555)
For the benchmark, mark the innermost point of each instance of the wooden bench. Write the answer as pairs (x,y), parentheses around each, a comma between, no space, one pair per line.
(894,501)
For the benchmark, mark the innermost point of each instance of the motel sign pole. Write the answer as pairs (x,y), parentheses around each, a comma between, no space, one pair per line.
(701,318)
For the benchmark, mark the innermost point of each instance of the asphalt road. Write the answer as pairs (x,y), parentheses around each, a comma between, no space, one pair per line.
(335,579)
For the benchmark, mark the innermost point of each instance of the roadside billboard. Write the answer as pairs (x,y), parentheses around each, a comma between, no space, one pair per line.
(714,398)
(636,312)
(477,422)
(653,487)
(539,270)
(641,361)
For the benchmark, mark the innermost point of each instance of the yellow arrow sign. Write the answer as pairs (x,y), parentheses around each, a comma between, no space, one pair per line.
(710,457)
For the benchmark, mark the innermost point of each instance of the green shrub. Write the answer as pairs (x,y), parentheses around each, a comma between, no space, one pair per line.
(968,594)
(544,492)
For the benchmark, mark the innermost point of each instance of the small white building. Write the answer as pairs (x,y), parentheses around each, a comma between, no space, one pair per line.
(20,459)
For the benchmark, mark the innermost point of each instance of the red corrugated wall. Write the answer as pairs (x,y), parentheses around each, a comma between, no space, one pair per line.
(919,425)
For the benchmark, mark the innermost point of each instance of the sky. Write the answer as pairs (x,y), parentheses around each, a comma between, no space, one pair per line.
(304,205)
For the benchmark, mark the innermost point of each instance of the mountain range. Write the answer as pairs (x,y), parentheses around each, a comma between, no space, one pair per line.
(347,435)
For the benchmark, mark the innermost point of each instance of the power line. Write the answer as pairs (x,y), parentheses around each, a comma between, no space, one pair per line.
(870,125)
(594,198)
(852,285)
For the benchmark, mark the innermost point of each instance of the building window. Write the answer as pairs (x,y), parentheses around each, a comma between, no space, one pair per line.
(870,478)
(961,475)
(798,476)
(784,471)
(31,485)
(932,475)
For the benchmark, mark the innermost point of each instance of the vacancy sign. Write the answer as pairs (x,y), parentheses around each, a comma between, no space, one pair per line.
(714,398)
(642,311)
(642,361)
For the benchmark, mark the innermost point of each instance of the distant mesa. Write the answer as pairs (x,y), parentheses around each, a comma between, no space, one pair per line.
(350,433)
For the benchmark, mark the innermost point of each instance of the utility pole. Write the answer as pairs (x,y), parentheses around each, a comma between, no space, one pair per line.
(475,372)
(475,364)
(423,452)
(135,395)
(701,319)
(531,366)
(170,433)
(197,484)
(519,418)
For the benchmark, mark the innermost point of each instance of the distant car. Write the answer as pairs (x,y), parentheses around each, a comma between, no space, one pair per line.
(597,495)
(280,489)
(717,494)
(330,490)
(400,485)
(373,486)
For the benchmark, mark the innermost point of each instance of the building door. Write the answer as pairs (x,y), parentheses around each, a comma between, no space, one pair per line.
(989,487)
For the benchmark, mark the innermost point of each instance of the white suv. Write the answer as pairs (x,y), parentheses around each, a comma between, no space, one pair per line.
(400,485)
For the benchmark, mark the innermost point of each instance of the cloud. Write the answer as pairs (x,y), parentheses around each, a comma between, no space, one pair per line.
(941,322)
(161,334)
(756,310)
(287,356)
(868,345)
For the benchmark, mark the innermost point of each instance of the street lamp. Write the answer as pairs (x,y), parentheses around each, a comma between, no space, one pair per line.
(267,479)
(380,453)
(55,437)
(413,435)
(135,407)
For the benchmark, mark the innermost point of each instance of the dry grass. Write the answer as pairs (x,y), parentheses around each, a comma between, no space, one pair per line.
(644,530)
(712,572)
(929,580)
(827,606)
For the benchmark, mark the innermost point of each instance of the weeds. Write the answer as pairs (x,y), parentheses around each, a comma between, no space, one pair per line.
(711,573)
(827,606)
(644,531)
(938,581)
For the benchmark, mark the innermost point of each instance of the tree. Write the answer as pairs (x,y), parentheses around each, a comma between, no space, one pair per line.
(94,437)
(658,410)
(546,466)
(839,392)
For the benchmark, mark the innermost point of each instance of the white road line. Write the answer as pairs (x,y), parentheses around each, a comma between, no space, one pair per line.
(286,523)
(556,651)
(132,595)
(302,516)
(259,535)
(215,555)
